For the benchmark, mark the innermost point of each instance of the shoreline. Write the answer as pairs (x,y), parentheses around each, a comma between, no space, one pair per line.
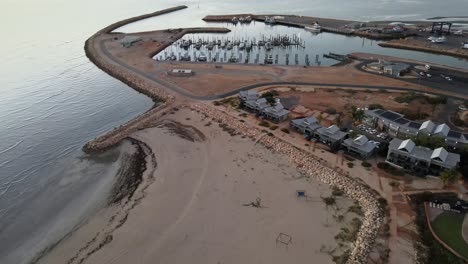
(127,181)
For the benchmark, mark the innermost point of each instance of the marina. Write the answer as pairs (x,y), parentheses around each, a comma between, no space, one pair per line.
(308,46)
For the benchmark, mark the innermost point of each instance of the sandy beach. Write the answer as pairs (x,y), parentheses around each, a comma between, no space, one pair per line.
(195,205)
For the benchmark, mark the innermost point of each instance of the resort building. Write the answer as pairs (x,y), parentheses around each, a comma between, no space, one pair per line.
(276,113)
(331,135)
(398,126)
(420,160)
(251,102)
(359,146)
(307,125)
(248,95)
(257,105)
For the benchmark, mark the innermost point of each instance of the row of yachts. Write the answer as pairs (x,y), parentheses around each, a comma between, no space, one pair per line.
(203,58)
(229,45)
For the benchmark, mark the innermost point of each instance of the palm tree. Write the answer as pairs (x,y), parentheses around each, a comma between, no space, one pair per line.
(449,176)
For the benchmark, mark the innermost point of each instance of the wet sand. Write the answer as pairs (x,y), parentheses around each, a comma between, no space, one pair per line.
(193,207)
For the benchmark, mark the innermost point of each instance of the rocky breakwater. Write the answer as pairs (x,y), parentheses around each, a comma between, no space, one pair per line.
(353,188)
(162,98)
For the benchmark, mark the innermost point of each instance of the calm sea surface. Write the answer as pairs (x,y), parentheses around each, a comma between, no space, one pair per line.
(53,99)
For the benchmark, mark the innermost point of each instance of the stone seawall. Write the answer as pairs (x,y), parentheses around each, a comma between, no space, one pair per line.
(353,188)
(423,49)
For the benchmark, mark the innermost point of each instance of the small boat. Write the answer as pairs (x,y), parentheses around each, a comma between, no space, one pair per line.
(242,45)
(172,57)
(210,46)
(270,20)
(431,38)
(198,45)
(248,19)
(268,46)
(233,59)
(186,44)
(223,45)
(234,20)
(315,28)
(201,57)
(269,59)
(229,46)
(185,57)
(261,43)
(458,33)
(241,19)
(236,42)
(218,42)
(248,46)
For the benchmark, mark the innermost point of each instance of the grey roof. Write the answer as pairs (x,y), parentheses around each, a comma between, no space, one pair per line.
(361,143)
(427,126)
(447,159)
(360,140)
(407,145)
(332,129)
(248,95)
(276,110)
(415,125)
(332,132)
(442,129)
(439,153)
(306,123)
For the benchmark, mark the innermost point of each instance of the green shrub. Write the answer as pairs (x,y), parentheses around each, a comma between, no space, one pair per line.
(264,124)
(273,127)
(285,130)
(330,111)
(366,164)
(350,164)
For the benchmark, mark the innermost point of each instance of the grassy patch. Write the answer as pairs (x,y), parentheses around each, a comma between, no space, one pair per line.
(448,226)
(264,124)
(366,164)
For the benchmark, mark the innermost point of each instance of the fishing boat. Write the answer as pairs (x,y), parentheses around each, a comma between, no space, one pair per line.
(210,46)
(269,59)
(268,46)
(315,28)
(185,57)
(261,43)
(186,44)
(201,57)
(248,46)
(223,45)
(198,45)
(241,45)
(234,20)
(229,46)
(270,20)
(171,57)
(233,59)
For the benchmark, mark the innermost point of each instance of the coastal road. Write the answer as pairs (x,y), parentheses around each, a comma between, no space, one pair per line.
(181,91)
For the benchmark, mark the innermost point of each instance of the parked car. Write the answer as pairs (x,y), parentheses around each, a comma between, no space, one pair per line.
(373,131)
(428,75)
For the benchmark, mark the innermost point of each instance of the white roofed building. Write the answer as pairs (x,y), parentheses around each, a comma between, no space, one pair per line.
(421,160)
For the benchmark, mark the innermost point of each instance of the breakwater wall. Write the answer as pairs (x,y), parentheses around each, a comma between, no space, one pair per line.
(124,22)
(424,49)
(353,188)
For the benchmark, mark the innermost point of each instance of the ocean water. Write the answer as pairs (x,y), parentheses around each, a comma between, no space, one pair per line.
(53,99)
